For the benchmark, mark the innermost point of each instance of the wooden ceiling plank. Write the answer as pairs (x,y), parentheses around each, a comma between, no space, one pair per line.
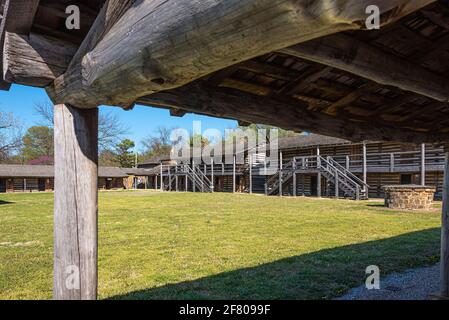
(351,97)
(369,62)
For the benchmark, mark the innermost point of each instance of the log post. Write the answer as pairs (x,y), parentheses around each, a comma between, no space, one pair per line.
(318,184)
(76,203)
(250,174)
(280,174)
(364,163)
(233,176)
(294,178)
(212,175)
(423,164)
(445,230)
(162,178)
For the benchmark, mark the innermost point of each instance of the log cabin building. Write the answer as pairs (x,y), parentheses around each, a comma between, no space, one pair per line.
(38,178)
(370,163)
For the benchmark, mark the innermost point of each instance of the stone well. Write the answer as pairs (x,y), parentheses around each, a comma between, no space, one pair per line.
(409,197)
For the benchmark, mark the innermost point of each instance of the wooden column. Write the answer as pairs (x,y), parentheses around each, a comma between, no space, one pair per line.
(364,163)
(280,174)
(423,164)
(250,174)
(233,176)
(176,178)
(212,177)
(337,182)
(169,179)
(193,179)
(294,177)
(162,178)
(76,203)
(318,184)
(445,231)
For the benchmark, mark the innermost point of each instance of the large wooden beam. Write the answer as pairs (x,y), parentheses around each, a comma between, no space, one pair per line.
(354,56)
(18,16)
(291,115)
(76,203)
(159,45)
(35,60)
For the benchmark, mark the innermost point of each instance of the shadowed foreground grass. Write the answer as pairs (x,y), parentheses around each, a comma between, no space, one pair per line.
(218,246)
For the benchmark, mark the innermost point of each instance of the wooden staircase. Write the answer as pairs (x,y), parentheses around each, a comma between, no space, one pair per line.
(346,183)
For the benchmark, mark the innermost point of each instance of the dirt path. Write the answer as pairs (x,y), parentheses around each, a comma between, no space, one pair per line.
(416,284)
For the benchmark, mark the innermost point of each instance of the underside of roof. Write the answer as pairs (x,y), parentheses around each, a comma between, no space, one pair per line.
(29,171)
(386,85)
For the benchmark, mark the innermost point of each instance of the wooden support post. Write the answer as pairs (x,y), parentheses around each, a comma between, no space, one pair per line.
(348,163)
(76,203)
(364,163)
(423,164)
(193,180)
(176,178)
(280,174)
(169,179)
(155,183)
(162,178)
(250,174)
(445,231)
(392,162)
(294,177)
(337,181)
(212,177)
(24,185)
(318,184)
(233,176)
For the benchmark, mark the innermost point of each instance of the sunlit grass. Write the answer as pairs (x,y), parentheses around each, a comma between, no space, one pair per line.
(168,245)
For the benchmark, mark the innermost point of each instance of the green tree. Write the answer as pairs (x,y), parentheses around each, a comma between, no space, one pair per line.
(125,157)
(37,142)
(10,136)
(158,144)
(200,140)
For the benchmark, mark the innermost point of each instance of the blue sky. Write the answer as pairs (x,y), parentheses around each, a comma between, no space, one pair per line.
(142,121)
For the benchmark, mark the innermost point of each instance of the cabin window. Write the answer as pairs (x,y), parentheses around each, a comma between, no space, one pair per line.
(406,179)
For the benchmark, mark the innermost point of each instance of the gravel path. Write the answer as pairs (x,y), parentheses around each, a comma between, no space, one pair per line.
(416,284)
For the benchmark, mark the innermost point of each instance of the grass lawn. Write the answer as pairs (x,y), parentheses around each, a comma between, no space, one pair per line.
(218,246)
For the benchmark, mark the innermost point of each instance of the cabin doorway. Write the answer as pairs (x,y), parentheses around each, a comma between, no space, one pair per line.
(2,185)
(109,184)
(41,185)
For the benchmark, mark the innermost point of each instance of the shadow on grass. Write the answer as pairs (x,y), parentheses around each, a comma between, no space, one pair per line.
(5,202)
(378,205)
(319,275)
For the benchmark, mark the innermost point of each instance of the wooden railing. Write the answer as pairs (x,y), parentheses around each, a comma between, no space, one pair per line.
(393,162)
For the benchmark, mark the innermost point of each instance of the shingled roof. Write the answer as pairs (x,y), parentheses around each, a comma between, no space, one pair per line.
(28,171)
